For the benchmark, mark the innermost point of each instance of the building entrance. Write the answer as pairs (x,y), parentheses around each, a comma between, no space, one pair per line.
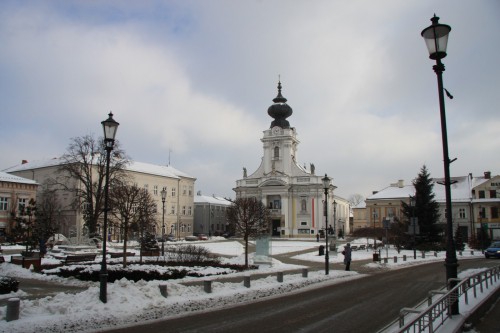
(276,228)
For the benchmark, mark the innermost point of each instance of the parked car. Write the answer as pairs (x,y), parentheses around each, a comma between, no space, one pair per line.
(202,237)
(170,238)
(191,238)
(493,250)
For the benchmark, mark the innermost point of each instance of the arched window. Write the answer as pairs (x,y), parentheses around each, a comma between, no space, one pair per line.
(276,152)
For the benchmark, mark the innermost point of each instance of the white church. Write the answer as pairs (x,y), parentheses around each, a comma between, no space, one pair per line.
(294,195)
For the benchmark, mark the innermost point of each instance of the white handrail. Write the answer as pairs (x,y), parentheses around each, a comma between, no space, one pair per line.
(434,316)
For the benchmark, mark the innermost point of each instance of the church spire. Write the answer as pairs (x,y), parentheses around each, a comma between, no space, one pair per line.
(280,110)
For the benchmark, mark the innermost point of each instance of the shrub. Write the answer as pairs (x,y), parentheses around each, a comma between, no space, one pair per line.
(8,284)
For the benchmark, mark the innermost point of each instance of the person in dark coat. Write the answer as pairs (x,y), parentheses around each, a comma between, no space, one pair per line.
(347,256)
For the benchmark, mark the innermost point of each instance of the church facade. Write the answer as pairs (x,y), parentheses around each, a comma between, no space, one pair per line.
(294,195)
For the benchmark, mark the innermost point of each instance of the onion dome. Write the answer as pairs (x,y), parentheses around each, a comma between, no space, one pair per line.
(280,110)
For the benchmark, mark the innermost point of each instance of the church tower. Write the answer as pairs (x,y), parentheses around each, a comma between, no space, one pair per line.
(294,195)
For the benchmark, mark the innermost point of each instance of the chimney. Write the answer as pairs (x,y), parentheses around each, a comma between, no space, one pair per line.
(24,161)
(198,193)
(374,192)
(487,175)
(401,183)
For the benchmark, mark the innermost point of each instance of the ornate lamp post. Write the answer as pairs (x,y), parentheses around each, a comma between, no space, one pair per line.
(414,224)
(436,39)
(110,127)
(335,226)
(163,197)
(326,187)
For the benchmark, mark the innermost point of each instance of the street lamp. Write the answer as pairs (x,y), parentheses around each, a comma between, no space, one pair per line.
(436,39)
(334,225)
(326,187)
(414,224)
(110,127)
(163,197)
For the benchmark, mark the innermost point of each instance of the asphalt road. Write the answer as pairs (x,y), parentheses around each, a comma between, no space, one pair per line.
(362,305)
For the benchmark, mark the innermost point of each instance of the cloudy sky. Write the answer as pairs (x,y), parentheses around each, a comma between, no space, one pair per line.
(193,80)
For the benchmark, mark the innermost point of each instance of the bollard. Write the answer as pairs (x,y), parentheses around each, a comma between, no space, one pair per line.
(404,257)
(246,281)
(395,259)
(207,286)
(280,276)
(304,272)
(12,309)
(436,254)
(385,260)
(472,252)
(423,254)
(163,290)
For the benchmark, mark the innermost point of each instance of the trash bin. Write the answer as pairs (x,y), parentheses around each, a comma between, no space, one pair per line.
(321,250)
(376,256)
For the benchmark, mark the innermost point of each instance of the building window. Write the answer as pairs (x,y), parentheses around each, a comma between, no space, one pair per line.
(184,190)
(172,210)
(173,191)
(493,193)
(481,194)
(183,210)
(461,213)
(303,223)
(155,190)
(276,152)
(4,203)
(190,190)
(146,187)
(390,212)
(482,212)
(494,212)
(21,204)
(189,210)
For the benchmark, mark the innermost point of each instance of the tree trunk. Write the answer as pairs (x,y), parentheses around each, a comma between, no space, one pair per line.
(246,251)
(125,239)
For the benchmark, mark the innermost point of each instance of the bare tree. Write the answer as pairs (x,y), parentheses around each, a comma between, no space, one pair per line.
(47,208)
(129,203)
(249,218)
(355,199)
(83,172)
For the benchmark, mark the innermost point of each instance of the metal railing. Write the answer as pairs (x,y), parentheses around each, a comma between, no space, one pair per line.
(432,317)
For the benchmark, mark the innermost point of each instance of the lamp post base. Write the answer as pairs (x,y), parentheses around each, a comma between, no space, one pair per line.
(103,293)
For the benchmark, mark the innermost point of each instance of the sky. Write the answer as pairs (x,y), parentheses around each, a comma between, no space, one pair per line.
(190,83)
(129,303)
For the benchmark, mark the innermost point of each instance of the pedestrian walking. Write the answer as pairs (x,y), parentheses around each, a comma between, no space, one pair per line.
(347,257)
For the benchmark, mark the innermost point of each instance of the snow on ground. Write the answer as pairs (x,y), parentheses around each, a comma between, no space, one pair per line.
(130,302)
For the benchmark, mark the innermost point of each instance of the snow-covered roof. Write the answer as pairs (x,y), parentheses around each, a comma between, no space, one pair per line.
(461,190)
(159,170)
(361,204)
(153,169)
(37,164)
(213,200)
(393,192)
(7,177)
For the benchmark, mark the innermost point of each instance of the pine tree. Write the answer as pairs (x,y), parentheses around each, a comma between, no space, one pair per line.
(426,208)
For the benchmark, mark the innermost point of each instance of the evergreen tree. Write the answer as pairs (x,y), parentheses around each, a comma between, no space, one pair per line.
(426,209)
